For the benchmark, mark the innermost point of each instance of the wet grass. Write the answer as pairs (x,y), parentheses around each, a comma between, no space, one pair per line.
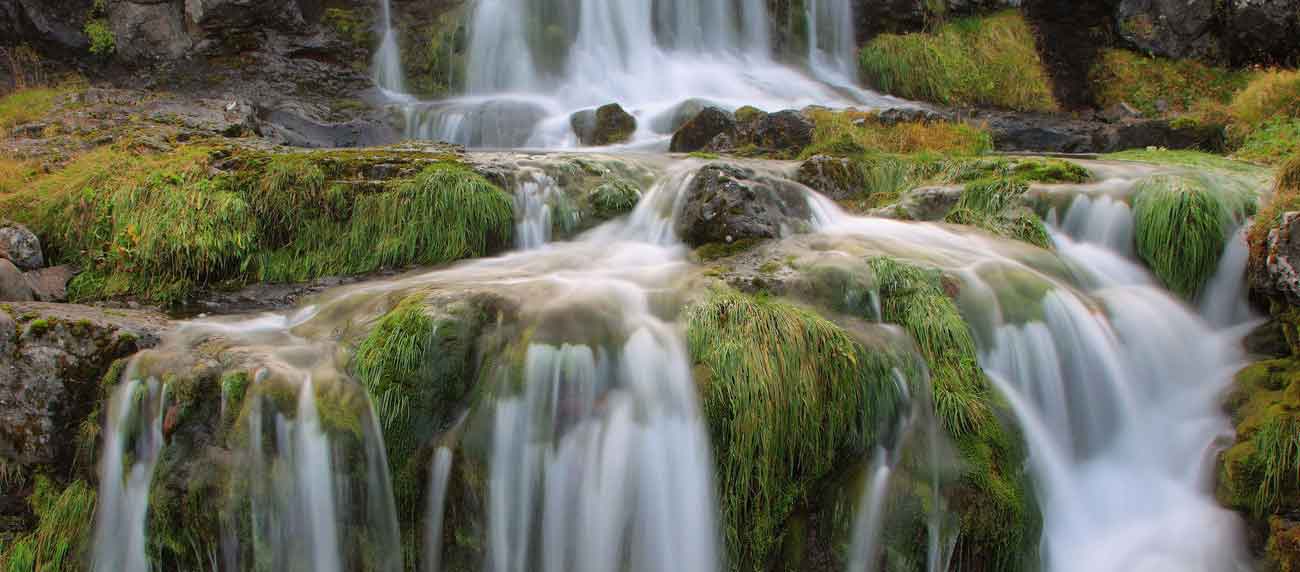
(1182,223)
(787,395)
(979,61)
(61,538)
(993,205)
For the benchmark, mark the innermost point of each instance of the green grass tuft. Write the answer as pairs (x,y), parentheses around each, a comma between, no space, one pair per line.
(1151,83)
(60,540)
(1182,225)
(614,199)
(787,395)
(993,205)
(987,61)
(852,134)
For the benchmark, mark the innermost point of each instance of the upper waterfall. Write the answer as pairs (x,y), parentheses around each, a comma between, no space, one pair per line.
(532,64)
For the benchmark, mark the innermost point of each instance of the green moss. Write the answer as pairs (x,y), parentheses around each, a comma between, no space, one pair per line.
(990,60)
(350,26)
(852,134)
(717,250)
(1260,473)
(748,113)
(993,205)
(1182,223)
(39,327)
(615,198)
(27,105)
(1187,158)
(787,395)
(61,537)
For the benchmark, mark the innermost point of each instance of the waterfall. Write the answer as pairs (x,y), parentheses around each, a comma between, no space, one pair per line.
(534,193)
(386,68)
(1224,303)
(533,63)
(133,433)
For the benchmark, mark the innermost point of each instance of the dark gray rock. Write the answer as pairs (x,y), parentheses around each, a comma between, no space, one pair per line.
(225,15)
(20,246)
(291,128)
(1171,28)
(149,30)
(1264,30)
(606,125)
(1041,133)
(697,133)
(786,132)
(13,286)
(836,178)
(56,25)
(727,203)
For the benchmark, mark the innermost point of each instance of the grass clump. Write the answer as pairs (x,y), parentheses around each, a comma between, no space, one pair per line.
(1266,117)
(58,543)
(787,395)
(163,226)
(994,206)
(999,521)
(1158,86)
(615,198)
(1182,224)
(27,105)
(851,134)
(988,61)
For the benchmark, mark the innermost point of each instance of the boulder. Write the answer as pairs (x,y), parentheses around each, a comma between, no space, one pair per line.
(728,203)
(787,132)
(50,284)
(700,131)
(930,204)
(606,125)
(20,246)
(1279,274)
(668,122)
(13,285)
(49,380)
(1171,28)
(149,29)
(836,178)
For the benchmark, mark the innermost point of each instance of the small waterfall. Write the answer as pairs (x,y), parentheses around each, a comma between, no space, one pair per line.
(386,68)
(1223,303)
(133,441)
(535,192)
(439,475)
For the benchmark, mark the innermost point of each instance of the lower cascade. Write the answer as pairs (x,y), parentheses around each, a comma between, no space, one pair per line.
(928,396)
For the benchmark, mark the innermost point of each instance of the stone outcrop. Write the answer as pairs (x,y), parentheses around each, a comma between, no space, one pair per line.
(700,131)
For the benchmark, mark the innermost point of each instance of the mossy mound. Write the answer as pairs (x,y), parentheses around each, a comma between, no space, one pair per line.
(1183,222)
(788,396)
(1261,472)
(991,60)
(614,199)
(161,227)
(999,525)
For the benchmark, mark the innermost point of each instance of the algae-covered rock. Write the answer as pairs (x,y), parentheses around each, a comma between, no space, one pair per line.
(836,178)
(605,125)
(697,133)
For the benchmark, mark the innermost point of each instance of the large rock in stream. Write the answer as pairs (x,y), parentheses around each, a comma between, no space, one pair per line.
(606,125)
(728,203)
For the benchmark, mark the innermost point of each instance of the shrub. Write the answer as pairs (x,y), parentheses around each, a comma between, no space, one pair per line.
(102,41)
(1271,95)
(1185,86)
(989,61)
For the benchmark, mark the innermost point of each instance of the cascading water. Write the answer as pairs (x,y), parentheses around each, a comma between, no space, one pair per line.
(440,473)
(133,442)
(532,64)
(1115,384)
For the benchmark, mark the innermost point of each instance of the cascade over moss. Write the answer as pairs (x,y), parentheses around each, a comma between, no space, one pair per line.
(787,395)
(999,520)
